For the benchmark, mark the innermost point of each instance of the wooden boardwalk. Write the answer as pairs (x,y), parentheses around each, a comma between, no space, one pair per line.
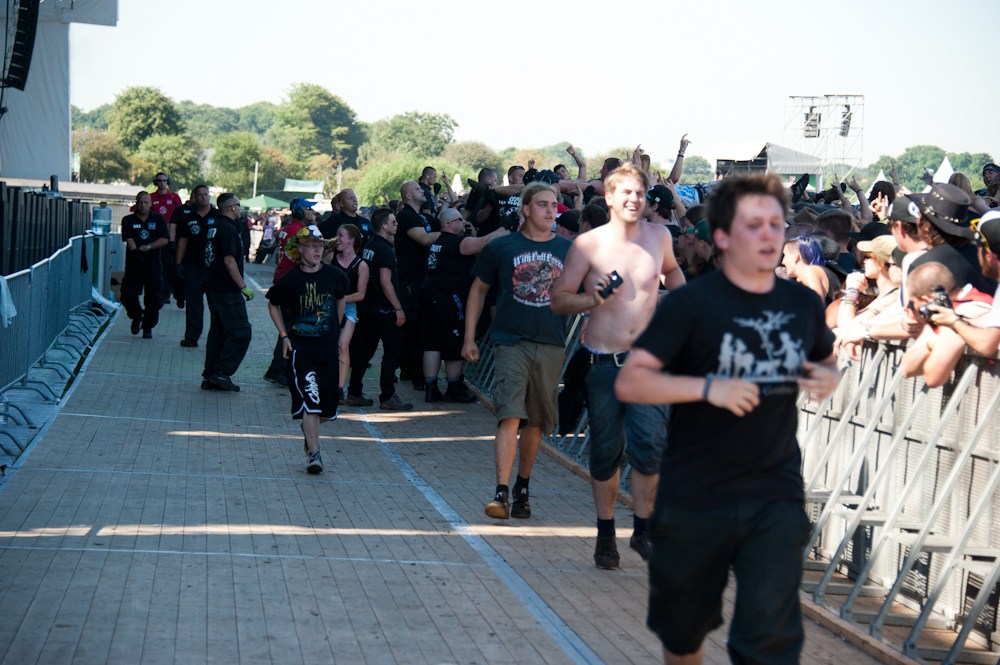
(158,523)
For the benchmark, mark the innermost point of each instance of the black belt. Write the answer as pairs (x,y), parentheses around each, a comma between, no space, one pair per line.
(616,359)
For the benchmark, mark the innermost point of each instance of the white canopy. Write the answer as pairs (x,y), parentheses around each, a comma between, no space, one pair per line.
(778,159)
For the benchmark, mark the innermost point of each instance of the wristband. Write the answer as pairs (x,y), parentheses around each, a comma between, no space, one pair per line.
(704,392)
(282,335)
(398,309)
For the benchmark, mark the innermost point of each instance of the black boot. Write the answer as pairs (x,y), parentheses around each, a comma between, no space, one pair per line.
(431,392)
(457,392)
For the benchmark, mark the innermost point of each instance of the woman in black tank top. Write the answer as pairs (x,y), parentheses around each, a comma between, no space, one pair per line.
(348,247)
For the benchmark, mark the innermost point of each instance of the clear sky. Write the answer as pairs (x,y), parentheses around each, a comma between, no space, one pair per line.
(597,74)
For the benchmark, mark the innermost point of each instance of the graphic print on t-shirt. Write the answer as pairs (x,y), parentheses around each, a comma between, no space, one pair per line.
(762,358)
(534,275)
(315,313)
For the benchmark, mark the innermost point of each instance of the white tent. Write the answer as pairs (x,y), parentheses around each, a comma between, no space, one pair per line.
(943,173)
(762,154)
(881,178)
(35,131)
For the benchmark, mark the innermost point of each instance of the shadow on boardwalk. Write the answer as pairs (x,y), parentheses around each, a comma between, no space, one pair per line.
(156,523)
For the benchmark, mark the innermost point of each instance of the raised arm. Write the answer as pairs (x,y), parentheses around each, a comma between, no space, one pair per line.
(471,246)
(678,170)
(866,211)
(581,165)
(423,237)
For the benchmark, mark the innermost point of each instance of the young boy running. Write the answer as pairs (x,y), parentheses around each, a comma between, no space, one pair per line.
(312,295)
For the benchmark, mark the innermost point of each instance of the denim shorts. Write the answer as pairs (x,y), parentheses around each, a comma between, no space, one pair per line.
(612,423)
(693,550)
(351,311)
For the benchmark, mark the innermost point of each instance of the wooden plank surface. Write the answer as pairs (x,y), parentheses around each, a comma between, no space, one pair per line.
(171,524)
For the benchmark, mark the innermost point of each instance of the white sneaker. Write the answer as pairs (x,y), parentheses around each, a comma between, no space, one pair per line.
(315,464)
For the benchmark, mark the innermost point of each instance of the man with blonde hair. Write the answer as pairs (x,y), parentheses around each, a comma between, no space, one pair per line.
(642,255)
(528,337)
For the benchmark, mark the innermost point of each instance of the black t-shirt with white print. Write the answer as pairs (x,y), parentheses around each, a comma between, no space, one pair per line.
(713,328)
(448,270)
(378,254)
(310,300)
(412,256)
(222,240)
(143,232)
(194,227)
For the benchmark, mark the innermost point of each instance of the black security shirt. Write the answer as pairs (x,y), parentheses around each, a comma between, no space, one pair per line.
(143,232)
(310,301)
(329,227)
(195,228)
(449,270)
(712,328)
(412,256)
(378,254)
(222,240)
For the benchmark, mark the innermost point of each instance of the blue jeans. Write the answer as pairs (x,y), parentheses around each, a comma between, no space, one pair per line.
(612,423)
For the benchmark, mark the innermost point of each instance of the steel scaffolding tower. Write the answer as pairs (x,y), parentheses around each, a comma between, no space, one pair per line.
(830,127)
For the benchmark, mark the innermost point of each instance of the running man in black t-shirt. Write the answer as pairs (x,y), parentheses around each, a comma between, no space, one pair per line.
(731,351)
(144,233)
(312,297)
(442,305)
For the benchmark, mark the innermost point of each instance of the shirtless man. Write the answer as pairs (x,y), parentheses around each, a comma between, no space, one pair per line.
(643,256)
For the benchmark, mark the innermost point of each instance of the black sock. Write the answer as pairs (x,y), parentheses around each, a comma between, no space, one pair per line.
(501,494)
(639,524)
(605,527)
(521,483)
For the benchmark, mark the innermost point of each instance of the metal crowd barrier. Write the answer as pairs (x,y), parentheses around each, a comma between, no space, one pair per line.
(55,311)
(901,487)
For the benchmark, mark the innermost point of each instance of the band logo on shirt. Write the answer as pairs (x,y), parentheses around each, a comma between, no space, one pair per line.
(764,360)
(534,274)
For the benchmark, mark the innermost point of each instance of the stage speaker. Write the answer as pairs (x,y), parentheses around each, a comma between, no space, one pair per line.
(24,42)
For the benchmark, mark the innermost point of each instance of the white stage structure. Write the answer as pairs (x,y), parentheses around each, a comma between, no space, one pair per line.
(829,127)
(35,130)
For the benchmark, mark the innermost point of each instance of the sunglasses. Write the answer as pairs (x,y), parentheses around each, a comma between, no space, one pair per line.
(982,238)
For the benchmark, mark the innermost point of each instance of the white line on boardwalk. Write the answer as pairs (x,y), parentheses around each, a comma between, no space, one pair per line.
(253,282)
(304,557)
(563,635)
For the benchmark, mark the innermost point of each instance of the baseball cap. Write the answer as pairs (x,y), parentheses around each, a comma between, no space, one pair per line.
(569,220)
(880,246)
(660,195)
(310,232)
(988,228)
(298,203)
(701,231)
(991,167)
(870,231)
(904,209)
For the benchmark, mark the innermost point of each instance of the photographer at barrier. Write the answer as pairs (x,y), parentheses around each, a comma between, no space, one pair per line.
(937,349)
(983,340)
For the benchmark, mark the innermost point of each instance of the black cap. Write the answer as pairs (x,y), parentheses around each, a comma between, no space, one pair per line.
(660,195)
(989,229)
(569,220)
(870,231)
(904,209)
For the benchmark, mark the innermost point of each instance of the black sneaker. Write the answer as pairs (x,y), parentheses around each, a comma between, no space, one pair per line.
(343,399)
(457,392)
(315,464)
(189,344)
(276,377)
(520,509)
(394,403)
(223,382)
(432,393)
(641,544)
(180,304)
(205,385)
(498,508)
(136,325)
(358,400)
(606,553)
(147,334)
